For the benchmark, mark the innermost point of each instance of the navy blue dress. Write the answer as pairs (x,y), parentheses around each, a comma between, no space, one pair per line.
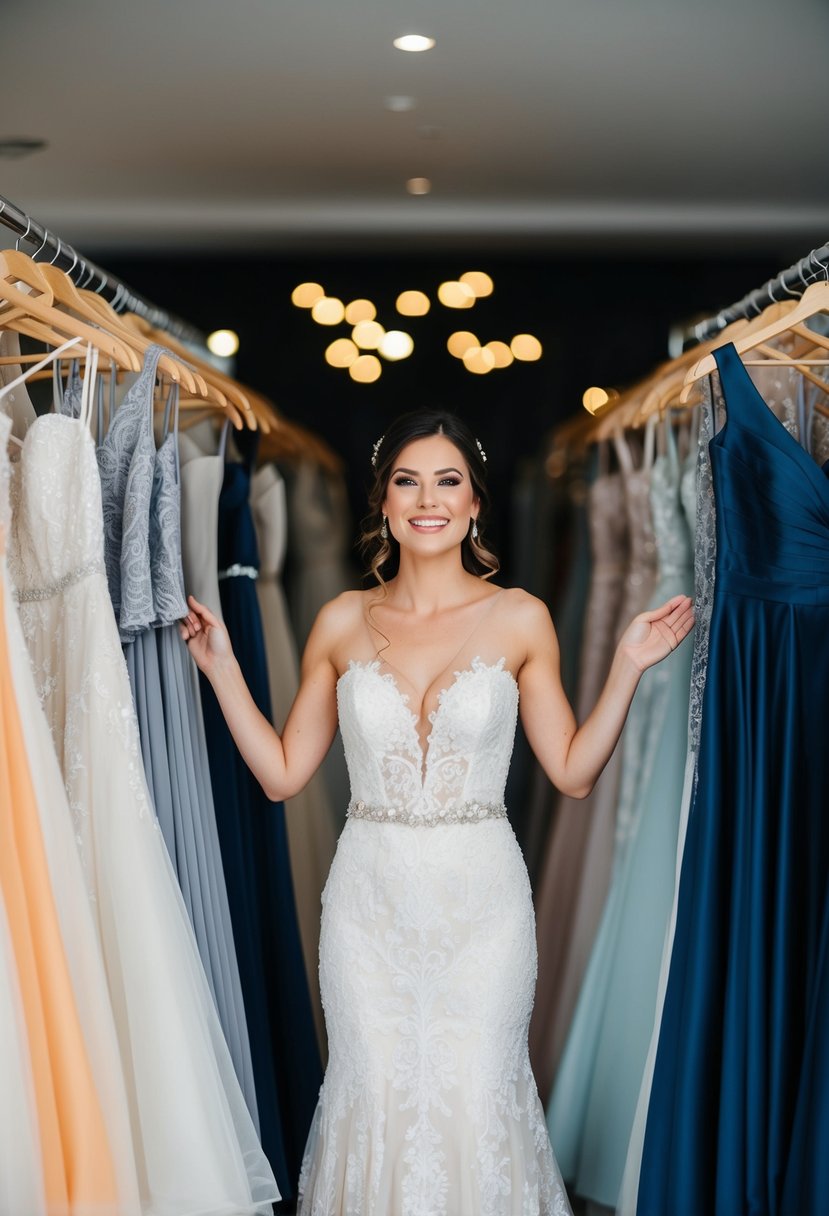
(254,843)
(738,1121)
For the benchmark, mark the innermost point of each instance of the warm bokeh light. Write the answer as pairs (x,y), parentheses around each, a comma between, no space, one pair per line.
(460,342)
(456,295)
(396,344)
(366,369)
(501,353)
(223,342)
(594,398)
(526,348)
(414,42)
(341,353)
(418,185)
(307,294)
(481,283)
(479,360)
(368,334)
(328,311)
(360,310)
(413,304)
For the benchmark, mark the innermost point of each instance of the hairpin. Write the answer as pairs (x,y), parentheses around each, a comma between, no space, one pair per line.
(375,449)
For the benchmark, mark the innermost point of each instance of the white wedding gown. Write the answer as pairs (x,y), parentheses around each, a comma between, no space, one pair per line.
(194,1145)
(427,969)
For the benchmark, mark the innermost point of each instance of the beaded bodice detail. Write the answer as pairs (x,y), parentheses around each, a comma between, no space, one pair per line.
(462,774)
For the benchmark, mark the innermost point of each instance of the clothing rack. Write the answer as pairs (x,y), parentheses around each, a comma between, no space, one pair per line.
(792,283)
(86,273)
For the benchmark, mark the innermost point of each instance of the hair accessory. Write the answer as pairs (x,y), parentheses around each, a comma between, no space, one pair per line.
(375,449)
(481,450)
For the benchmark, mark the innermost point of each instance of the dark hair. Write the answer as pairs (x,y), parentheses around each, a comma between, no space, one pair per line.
(477,558)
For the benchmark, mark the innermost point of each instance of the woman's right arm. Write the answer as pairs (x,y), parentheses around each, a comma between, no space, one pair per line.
(282,766)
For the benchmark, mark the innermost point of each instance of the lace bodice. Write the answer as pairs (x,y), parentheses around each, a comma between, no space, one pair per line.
(467,752)
(47,555)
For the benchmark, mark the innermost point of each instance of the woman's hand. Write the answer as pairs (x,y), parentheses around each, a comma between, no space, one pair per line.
(651,636)
(206,637)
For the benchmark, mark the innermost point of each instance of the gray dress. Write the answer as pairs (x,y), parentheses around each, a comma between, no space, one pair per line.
(141,502)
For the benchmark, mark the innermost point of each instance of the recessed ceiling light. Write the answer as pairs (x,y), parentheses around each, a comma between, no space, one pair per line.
(414,42)
(418,185)
(400,105)
(223,342)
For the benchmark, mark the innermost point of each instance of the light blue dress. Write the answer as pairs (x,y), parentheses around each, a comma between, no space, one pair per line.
(594,1098)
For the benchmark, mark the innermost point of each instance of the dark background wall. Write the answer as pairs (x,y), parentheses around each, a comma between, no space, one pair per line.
(602,320)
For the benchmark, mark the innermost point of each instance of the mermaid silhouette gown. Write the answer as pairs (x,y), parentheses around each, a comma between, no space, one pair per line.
(738,1119)
(427,968)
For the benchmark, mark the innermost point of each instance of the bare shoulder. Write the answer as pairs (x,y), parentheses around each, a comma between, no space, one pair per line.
(341,613)
(525,611)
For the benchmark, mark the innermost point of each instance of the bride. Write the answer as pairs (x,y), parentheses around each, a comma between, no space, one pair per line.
(427,948)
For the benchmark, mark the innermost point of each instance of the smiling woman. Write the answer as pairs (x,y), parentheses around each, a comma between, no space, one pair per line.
(427,944)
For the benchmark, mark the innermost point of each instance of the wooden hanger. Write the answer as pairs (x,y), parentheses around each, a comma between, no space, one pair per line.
(814,300)
(28,306)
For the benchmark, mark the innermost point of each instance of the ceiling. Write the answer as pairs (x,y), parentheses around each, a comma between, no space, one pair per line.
(262,123)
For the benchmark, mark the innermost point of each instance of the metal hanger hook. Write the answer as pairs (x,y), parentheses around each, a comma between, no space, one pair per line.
(42,245)
(25,235)
(57,251)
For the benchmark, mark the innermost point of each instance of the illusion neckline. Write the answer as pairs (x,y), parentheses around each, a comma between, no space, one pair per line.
(475,666)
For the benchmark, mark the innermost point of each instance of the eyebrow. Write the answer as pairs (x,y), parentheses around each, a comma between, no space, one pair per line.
(437,473)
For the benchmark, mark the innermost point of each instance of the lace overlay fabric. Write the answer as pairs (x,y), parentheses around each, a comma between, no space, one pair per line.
(427,970)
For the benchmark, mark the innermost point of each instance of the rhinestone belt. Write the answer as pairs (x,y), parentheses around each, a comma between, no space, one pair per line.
(466,812)
(237,571)
(31,594)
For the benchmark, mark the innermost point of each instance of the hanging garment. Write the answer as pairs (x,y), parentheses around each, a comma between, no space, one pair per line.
(744,975)
(308,816)
(564,855)
(594,1099)
(257,861)
(141,485)
(568,607)
(593,877)
(78,1172)
(319,541)
(196,1148)
(427,963)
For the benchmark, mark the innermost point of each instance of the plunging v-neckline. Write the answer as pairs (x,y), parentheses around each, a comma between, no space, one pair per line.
(423,745)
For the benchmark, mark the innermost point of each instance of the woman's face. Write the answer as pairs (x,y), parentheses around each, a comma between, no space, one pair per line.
(429,498)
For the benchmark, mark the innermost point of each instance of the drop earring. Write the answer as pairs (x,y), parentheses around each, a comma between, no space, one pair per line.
(384,532)
(474,529)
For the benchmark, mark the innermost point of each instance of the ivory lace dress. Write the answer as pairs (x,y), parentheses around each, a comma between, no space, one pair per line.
(427,968)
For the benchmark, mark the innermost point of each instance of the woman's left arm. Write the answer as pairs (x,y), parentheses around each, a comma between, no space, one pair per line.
(573,756)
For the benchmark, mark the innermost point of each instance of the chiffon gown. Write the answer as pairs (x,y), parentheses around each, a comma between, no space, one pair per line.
(594,1099)
(737,1116)
(195,1146)
(427,966)
(261,870)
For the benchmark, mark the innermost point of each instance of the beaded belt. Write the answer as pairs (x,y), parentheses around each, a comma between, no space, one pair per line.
(29,595)
(237,571)
(466,812)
